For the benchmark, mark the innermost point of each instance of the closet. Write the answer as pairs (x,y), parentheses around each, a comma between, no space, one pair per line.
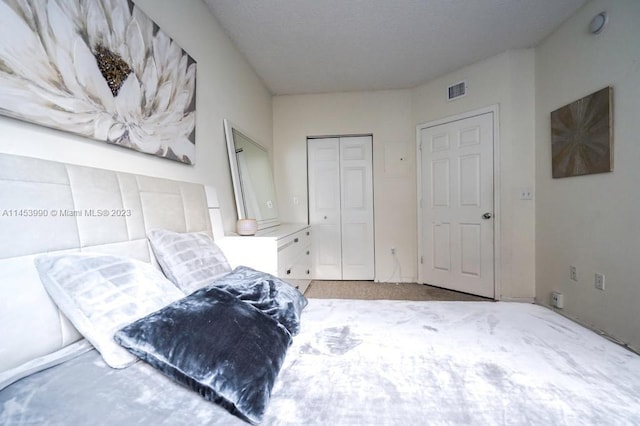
(341,207)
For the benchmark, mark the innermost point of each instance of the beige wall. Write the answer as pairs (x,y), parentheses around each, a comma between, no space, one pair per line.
(392,116)
(226,88)
(591,221)
(385,114)
(508,81)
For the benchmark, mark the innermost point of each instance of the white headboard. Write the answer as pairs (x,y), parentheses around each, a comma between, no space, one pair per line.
(47,206)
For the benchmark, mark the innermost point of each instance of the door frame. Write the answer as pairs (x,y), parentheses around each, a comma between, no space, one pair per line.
(495,110)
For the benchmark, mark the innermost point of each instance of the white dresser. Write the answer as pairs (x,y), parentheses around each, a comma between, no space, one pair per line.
(283,251)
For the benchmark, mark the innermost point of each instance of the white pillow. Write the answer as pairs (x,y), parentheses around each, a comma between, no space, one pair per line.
(190,260)
(102,293)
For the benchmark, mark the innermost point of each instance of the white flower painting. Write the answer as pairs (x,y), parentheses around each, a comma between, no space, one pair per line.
(98,68)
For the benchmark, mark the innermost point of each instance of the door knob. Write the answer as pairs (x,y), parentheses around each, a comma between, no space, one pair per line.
(487,215)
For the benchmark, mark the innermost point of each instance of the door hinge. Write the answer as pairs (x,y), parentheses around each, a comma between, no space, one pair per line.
(421,260)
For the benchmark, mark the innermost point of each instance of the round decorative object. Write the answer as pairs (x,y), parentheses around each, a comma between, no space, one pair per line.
(598,22)
(246,226)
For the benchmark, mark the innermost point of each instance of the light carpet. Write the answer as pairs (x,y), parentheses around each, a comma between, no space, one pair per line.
(369,290)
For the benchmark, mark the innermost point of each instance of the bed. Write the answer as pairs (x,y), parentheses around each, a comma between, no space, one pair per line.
(351,361)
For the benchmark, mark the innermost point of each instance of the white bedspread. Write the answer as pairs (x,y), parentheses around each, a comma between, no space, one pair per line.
(377,362)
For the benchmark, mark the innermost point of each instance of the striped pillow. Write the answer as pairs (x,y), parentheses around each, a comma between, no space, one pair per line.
(102,293)
(190,260)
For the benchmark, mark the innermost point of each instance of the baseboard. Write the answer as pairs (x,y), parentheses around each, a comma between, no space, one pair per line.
(402,280)
(518,299)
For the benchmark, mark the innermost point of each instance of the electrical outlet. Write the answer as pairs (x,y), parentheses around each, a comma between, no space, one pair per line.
(573,273)
(557,299)
(599,281)
(393,250)
(526,194)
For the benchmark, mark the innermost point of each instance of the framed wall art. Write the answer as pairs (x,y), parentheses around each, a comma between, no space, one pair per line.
(582,136)
(101,69)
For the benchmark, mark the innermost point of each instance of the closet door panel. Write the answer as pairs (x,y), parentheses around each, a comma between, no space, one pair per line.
(356,191)
(324,207)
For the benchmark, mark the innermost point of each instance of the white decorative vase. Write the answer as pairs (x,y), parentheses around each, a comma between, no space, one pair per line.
(246,226)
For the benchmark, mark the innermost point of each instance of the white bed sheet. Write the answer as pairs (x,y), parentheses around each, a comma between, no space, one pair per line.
(376,362)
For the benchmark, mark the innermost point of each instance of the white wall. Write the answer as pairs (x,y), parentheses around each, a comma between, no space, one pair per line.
(385,114)
(591,221)
(226,88)
(507,80)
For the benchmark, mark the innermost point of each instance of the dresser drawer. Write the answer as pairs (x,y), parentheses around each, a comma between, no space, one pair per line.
(290,247)
(294,255)
(298,267)
(295,241)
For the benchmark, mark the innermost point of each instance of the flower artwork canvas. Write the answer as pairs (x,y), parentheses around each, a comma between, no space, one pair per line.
(101,69)
(582,136)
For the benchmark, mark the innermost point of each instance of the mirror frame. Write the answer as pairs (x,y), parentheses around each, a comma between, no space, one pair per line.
(229,129)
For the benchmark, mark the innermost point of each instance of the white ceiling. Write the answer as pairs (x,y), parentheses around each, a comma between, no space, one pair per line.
(312,46)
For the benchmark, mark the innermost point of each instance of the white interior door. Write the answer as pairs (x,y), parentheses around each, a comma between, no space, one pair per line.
(456,191)
(341,207)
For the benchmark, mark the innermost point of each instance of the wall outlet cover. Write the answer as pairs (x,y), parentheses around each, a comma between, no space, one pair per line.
(526,194)
(599,281)
(557,299)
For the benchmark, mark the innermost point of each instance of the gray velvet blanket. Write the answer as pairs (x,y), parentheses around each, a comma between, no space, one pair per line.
(376,362)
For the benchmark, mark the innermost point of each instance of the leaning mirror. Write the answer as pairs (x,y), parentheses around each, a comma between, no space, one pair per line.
(252,178)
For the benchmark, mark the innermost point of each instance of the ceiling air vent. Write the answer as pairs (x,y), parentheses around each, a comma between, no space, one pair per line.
(457,90)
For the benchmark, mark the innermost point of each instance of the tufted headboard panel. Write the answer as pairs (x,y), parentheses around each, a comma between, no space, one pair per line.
(47,206)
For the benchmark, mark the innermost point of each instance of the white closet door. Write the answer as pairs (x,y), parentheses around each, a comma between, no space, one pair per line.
(324,207)
(357,208)
(341,207)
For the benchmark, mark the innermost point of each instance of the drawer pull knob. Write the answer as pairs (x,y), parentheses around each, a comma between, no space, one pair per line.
(308,272)
(289,271)
(308,233)
(308,252)
(295,240)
